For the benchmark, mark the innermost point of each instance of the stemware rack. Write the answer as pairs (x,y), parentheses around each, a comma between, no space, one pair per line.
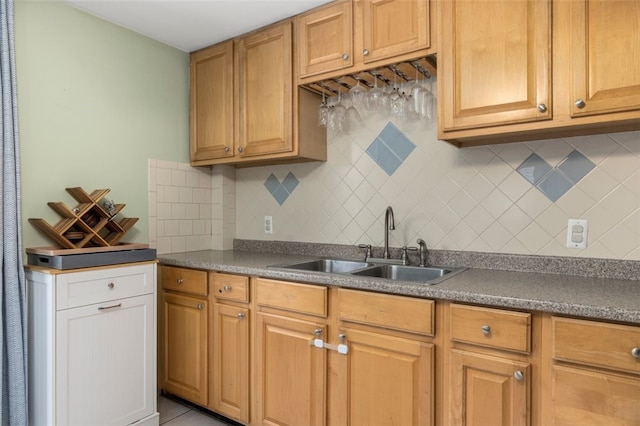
(89,224)
(403,72)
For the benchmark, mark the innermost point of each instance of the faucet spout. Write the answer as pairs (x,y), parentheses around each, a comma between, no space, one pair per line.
(388,214)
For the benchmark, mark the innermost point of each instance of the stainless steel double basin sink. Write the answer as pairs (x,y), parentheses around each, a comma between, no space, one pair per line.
(415,274)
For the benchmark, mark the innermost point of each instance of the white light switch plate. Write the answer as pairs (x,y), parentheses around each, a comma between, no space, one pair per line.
(577,234)
(268,225)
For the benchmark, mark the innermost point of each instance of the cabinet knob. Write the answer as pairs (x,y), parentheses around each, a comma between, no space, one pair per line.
(486,329)
(240,315)
(542,108)
(518,375)
(111,285)
(580,103)
(200,306)
(179,281)
(635,352)
(317,332)
(240,149)
(226,149)
(345,56)
(227,288)
(365,52)
(342,337)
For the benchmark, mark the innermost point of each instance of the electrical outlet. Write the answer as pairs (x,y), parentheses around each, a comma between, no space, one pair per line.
(577,234)
(268,225)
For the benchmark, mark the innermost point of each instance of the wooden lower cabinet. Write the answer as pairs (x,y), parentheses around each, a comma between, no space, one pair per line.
(595,373)
(229,379)
(389,379)
(184,358)
(291,372)
(488,390)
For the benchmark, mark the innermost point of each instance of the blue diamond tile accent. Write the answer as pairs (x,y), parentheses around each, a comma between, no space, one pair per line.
(280,194)
(554,182)
(534,169)
(390,148)
(576,166)
(281,190)
(290,182)
(272,183)
(554,185)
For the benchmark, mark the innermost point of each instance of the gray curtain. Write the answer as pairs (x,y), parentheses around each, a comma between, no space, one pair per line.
(13,324)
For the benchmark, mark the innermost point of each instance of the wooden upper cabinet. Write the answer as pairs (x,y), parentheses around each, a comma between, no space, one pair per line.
(263,91)
(494,65)
(325,39)
(605,57)
(211,134)
(392,27)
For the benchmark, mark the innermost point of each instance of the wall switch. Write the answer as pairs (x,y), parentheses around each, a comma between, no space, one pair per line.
(577,234)
(268,225)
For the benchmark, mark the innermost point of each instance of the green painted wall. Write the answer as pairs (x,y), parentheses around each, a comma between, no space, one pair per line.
(96,101)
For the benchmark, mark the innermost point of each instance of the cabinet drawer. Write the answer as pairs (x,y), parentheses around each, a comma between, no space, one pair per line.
(395,312)
(230,287)
(184,280)
(303,298)
(596,343)
(491,327)
(102,285)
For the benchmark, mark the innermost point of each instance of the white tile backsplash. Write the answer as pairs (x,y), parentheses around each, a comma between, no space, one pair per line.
(470,199)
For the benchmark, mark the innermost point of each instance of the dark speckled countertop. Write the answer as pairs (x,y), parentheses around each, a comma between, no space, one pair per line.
(600,298)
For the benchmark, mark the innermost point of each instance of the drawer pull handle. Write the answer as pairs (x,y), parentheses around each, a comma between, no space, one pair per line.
(227,288)
(111,285)
(104,308)
(180,281)
(635,352)
(240,315)
(200,306)
(518,375)
(486,329)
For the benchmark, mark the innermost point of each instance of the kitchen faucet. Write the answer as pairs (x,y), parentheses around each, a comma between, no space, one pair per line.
(388,227)
(423,252)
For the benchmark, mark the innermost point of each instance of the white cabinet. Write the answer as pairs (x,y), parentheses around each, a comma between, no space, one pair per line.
(92,346)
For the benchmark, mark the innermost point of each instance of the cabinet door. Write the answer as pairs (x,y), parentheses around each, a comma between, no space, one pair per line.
(605,56)
(105,370)
(393,27)
(230,352)
(263,88)
(291,372)
(184,369)
(325,39)
(390,380)
(484,390)
(584,397)
(212,102)
(494,63)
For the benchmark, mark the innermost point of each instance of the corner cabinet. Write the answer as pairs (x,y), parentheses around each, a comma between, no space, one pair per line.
(245,108)
(516,71)
(92,345)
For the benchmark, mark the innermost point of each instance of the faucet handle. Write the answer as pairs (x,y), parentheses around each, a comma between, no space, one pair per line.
(368,253)
(405,255)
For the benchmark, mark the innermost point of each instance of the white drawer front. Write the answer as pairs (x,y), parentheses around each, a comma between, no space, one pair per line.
(102,285)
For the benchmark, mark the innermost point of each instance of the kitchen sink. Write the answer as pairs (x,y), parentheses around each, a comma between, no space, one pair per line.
(416,274)
(335,266)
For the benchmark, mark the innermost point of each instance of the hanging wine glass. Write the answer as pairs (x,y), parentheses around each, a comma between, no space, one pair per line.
(357,93)
(337,116)
(374,96)
(323,112)
(417,92)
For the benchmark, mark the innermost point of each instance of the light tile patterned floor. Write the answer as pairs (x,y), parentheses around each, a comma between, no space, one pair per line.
(173,413)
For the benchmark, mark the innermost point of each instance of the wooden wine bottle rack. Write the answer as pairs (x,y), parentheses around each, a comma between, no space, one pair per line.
(86,225)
